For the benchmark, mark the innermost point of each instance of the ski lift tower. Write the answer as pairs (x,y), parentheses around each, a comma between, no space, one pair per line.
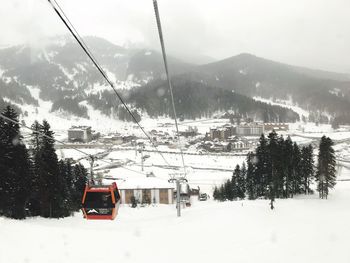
(178,178)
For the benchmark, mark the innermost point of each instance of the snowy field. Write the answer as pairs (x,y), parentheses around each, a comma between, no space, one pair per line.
(204,171)
(298,230)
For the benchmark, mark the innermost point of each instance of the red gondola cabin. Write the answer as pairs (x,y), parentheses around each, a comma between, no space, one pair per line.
(101,202)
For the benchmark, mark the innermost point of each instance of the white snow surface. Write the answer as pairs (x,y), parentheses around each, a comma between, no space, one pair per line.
(304,229)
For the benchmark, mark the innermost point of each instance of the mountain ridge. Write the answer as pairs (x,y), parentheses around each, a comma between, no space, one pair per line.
(63,73)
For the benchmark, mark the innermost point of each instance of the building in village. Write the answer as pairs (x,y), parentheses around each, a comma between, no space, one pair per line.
(240,143)
(222,133)
(148,190)
(113,138)
(229,145)
(190,132)
(249,130)
(225,132)
(214,133)
(79,134)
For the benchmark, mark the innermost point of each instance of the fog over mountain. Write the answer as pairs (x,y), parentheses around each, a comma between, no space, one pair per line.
(308,33)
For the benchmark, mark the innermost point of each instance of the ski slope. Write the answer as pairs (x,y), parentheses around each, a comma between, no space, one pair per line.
(304,229)
(285,104)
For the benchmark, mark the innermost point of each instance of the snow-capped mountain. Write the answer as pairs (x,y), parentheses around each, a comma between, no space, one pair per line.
(247,74)
(59,72)
(61,68)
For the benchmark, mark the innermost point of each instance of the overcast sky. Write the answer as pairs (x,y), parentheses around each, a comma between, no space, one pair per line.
(311,33)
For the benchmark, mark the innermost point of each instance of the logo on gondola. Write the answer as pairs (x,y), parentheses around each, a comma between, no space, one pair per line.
(92,211)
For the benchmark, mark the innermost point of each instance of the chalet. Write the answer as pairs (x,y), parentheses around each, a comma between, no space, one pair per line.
(148,190)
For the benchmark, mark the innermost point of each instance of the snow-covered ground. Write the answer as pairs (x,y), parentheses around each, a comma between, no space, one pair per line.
(204,171)
(304,229)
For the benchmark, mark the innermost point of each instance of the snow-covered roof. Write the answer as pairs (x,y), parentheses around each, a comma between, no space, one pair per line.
(79,128)
(144,183)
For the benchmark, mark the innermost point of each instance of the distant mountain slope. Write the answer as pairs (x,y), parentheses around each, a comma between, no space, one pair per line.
(65,75)
(254,76)
(321,74)
(196,100)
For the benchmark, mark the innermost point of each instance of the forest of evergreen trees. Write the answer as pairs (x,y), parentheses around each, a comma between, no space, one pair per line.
(108,105)
(196,100)
(71,105)
(279,168)
(192,100)
(33,182)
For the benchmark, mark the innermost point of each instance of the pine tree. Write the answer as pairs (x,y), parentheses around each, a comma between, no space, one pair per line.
(280,168)
(80,179)
(222,193)
(262,166)
(272,149)
(22,182)
(15,168)
(296,178)
(242,182)
(307,167)
(288,164)
(233,187)
(326,172)
(65,187)
(34,203)
(250,178)
(3,164)
(216,193)
(235,180)
(228,194)
(47,169)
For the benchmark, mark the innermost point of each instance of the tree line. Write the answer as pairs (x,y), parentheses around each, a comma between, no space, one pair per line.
(280,168)
(33,182)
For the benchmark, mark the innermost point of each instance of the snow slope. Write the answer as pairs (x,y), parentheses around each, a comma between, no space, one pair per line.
(298,230)
(285,104)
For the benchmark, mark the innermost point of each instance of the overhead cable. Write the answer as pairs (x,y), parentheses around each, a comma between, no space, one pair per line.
(100,69)
(62,143)
(159,25)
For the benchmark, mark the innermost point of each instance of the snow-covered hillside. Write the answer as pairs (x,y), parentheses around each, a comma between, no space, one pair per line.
(285,104)
(298,230)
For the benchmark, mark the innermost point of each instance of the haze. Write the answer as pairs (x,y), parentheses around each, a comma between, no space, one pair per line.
(310,33)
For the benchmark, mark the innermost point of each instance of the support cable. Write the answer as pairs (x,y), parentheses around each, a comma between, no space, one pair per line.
(159,25)
(103,73)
